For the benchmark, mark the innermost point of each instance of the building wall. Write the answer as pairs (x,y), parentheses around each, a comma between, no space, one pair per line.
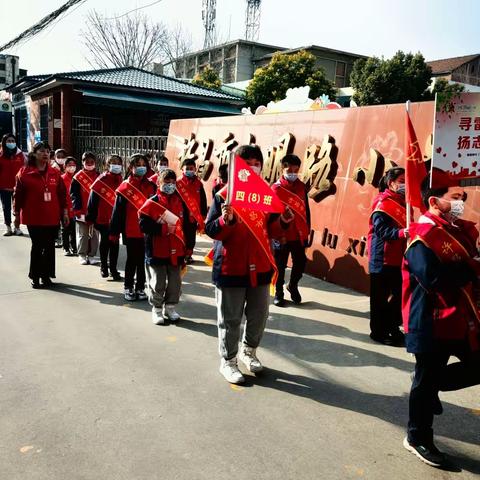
(468,73)
(9,71)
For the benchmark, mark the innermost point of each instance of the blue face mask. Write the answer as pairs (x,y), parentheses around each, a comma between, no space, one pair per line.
(401,189)
(168,188)
(190,173)
(140,171)
(11,145)
(291,177)
(116,169)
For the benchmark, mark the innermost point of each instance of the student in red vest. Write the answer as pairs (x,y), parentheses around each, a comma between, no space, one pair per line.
(161,220)
(99,212)
(162,164)
(292,192)
(386,246)
(12,160)
(440,311)
(40,201)
(242,272)
(131,195)
(69,241)
(190,188)
(87,236)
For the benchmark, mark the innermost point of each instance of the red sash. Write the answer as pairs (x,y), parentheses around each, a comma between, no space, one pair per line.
(84,180)
(155,211)
(448,249)
(104,191)
(132,194)
(297,204)
(256,222)
(184,188)
(393,210)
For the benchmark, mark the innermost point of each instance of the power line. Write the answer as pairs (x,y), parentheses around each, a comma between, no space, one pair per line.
(134,10)
(41,25)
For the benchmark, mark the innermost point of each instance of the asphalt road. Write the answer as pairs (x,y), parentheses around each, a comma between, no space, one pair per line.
(91,390)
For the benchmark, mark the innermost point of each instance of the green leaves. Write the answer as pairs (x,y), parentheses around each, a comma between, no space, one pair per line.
(208,78)
(270,83)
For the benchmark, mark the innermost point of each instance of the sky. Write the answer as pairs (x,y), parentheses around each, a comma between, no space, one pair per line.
(436,28)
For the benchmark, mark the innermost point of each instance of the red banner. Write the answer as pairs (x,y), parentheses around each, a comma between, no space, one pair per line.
(248,190)
(188,196)
(297,204)
(104,191)
(132,194)
(415,170)
(84,180)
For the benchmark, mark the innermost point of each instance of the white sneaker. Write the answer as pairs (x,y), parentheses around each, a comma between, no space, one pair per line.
(18,232)
(141,295)
(249,358)
(229,369)
(83,259)
(129,294)
(169,313)
(157,317)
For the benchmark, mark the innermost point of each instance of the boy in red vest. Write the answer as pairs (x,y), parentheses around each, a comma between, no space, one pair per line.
(242,273)
(292,192)
(161,220)
(190,188)
(440,312)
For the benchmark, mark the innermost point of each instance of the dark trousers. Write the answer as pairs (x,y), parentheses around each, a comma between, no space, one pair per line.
(135,263)
(108,250)
(42,256)
(299,260)
(432,374)
(6,199)
(190,229)
(385,301)
(69,238)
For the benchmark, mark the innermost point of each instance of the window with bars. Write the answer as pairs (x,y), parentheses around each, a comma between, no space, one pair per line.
(86,126)
(21,128)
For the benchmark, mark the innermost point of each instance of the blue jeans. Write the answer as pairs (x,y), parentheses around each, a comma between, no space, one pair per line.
(6,199)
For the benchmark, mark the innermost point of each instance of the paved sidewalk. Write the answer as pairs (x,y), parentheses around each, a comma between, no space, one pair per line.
(91,390)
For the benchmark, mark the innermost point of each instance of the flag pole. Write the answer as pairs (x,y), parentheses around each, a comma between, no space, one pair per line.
(409,219)
(231,170)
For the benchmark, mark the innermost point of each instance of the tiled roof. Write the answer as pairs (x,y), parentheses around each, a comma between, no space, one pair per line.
(447,65)
(141,79)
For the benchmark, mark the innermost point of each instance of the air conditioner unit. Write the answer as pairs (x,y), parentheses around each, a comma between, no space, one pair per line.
(5,106)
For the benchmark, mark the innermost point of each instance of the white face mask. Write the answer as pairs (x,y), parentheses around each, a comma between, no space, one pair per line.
(71,169)
(457,208)
(60,161)
(89,168)
(257,170)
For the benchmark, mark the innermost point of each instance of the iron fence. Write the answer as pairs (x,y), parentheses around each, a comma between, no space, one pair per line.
(125,146)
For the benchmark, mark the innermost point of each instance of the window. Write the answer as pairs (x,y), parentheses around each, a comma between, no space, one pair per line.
(340,72)
(44,122)
(21,127)
(3,80)
(86,126)
(2,67)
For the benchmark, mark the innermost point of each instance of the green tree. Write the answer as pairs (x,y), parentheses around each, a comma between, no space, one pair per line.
(270,83)
(450,89)
(208,77)
(378,81)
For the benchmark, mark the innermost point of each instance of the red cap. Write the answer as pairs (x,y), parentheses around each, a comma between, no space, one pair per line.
(442,179)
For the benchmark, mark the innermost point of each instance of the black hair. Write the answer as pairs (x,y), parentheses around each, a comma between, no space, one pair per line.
(87,155)
(6,152)
(60,150)
(428,192)
(162,158)
(167,174)
(291,159)
(71,159)
(187,162)
(223,168)
(31,159)
(390,176)
(248,152)
(114,157)
(132,162)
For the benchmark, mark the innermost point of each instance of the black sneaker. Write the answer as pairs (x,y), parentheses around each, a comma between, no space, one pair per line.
(279,301)
(104,272)
(294,294)
(47,282)
(35,282)
(428,454)
(398,338)
(383,339)
(116,276)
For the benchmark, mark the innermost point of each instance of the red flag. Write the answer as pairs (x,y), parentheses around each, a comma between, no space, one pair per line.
(415,170)
(248,190)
